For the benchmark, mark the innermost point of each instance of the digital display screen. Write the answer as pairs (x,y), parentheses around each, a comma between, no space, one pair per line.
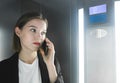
(97,9)
(98,14)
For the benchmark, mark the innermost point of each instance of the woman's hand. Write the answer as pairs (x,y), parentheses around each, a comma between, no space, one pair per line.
(49,60)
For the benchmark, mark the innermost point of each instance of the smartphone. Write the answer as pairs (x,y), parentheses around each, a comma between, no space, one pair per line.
(44,47)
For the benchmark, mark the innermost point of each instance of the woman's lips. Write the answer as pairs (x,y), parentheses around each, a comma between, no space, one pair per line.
(36,43)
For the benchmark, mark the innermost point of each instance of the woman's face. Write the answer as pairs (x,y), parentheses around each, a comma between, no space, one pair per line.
(32,35)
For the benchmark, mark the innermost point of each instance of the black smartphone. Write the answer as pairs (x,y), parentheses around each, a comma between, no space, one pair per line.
(44,47)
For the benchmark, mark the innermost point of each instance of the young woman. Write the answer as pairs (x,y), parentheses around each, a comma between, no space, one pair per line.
(34,60)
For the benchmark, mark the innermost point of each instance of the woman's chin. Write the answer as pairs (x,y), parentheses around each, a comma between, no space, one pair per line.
(35,49)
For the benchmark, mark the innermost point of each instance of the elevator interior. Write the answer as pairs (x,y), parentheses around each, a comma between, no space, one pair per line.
(63,31)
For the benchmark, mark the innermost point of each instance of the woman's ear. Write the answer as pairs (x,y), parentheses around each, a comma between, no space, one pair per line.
(17,31)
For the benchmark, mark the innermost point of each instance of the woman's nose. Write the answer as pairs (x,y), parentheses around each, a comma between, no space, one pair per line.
(39,35)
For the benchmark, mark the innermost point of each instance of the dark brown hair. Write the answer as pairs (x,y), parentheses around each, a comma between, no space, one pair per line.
(25,18)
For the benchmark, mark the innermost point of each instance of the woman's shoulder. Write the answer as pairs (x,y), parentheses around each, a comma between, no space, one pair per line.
(7,68)
(5,61)
(8,60)
(4,65)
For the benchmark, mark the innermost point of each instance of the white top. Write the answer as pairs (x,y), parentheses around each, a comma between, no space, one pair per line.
(29,73)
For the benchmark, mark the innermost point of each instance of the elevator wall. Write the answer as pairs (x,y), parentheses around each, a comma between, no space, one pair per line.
(99,50)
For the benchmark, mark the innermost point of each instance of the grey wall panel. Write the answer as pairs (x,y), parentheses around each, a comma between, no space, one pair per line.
(10,11)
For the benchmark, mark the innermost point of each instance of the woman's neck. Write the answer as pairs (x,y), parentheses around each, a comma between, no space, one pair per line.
(27,57)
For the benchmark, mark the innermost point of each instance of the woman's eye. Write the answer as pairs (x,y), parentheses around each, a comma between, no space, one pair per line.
(43,33)
(33,30)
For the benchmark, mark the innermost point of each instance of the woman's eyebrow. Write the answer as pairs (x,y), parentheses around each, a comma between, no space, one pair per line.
(32,26)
